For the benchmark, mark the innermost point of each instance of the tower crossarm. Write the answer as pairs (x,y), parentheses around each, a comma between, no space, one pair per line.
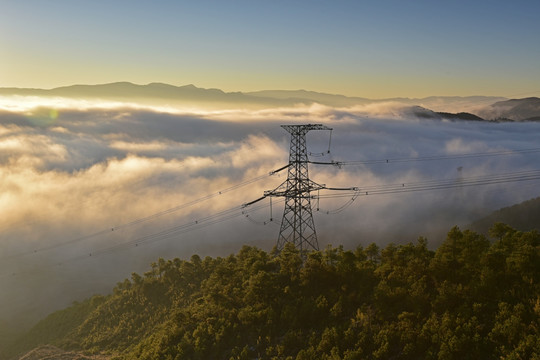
(284,190)
(303,129)
(354,188)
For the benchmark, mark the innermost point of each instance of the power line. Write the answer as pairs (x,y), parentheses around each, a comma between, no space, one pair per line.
(353,193)
(253,180)
(428,158)
(440,184)
(168,233)
(146,218)
(237,211)
(297,216)
(203,222)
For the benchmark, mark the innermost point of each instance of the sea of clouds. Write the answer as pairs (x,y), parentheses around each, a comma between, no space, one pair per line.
(82,181)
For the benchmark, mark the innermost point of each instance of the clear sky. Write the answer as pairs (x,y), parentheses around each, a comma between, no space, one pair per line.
(373,49)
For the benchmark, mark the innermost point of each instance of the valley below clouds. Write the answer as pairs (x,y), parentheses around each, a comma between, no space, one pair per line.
(93,191)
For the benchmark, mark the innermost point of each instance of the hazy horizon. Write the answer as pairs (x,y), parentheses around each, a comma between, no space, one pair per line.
(273,91)
(367,49)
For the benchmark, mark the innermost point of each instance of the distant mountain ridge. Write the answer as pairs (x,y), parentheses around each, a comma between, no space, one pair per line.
(127,91)
(490,108)
(526,109)
(167,91)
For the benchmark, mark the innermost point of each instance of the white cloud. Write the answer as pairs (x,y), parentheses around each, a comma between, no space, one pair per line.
(92,169)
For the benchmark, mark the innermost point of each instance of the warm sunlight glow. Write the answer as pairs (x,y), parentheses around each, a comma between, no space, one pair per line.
(162,138)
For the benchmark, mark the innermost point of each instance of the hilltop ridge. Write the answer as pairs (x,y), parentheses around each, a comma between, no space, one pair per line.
(402,301)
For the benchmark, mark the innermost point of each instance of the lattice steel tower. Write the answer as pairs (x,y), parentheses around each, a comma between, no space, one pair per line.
(297,224)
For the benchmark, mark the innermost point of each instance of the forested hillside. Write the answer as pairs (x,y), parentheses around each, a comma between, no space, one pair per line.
(469,299)
(524,216)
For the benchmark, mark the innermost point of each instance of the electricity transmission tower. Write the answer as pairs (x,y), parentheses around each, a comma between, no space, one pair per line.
(297,224)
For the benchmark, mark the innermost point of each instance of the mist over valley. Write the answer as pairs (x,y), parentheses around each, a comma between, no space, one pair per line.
(100,181)
(73,167)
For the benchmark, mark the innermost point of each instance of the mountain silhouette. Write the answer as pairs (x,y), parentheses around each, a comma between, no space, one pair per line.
(526,109)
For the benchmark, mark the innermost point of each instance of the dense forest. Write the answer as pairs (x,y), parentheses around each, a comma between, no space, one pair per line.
(472,298)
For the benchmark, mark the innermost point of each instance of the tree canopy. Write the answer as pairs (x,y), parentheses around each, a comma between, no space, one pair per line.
(469,299)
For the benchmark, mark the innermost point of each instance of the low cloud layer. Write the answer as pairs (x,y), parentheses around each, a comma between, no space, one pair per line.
(81,182)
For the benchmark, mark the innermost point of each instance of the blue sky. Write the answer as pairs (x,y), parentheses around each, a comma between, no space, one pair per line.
(372,49)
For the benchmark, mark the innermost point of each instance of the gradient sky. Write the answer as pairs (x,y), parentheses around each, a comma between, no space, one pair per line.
(373,49)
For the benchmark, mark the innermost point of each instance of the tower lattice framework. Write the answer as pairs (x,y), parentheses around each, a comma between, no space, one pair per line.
(297,224)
